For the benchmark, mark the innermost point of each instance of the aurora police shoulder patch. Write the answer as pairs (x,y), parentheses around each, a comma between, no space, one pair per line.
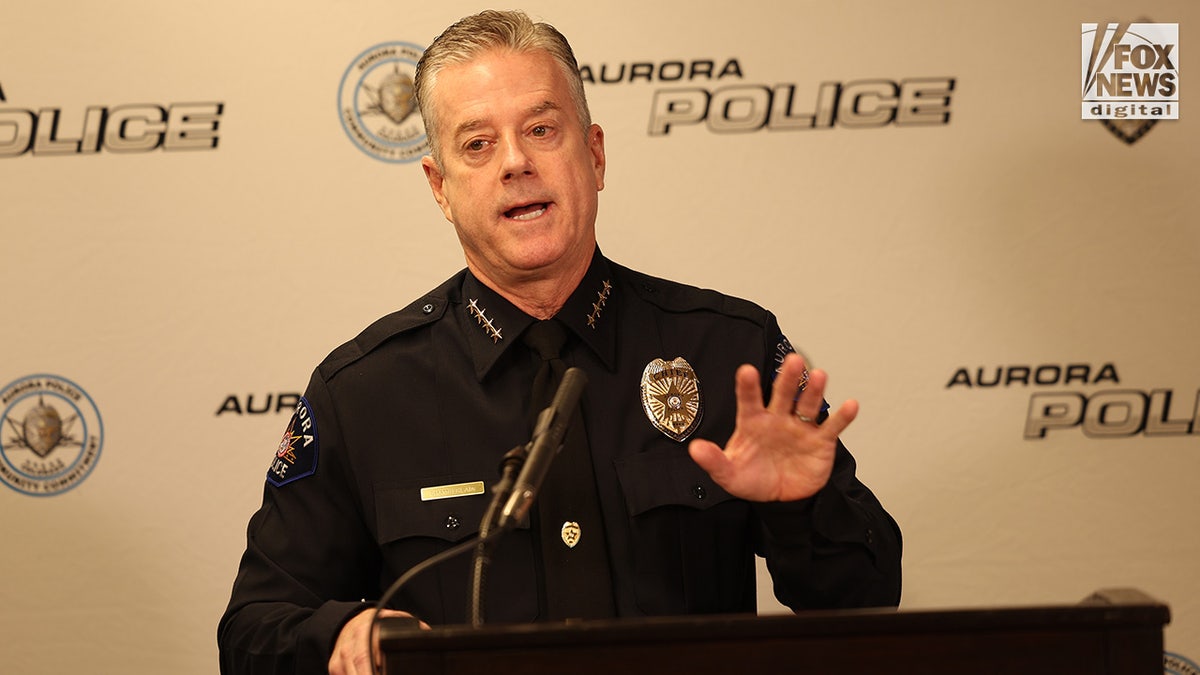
(671,397)
(296,456)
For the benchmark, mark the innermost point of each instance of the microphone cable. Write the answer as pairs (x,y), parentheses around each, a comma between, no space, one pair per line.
(392,590)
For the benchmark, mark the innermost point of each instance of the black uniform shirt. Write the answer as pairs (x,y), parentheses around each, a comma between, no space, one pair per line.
(433,396)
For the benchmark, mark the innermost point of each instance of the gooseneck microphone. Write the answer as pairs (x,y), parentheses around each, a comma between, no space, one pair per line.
(545,443)
(547,440)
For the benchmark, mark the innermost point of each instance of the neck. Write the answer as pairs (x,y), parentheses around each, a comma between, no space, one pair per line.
(540,296)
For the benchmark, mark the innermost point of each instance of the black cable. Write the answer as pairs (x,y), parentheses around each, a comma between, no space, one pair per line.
(459,549)
(509,466)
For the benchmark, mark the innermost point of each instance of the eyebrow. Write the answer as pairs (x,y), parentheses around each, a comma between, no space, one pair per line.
(544,106)
(474,123)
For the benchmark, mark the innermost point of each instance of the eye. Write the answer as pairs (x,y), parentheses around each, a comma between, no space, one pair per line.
(541,131)
(476,145)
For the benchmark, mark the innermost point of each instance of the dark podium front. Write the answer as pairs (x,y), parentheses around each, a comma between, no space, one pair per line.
(1116,631)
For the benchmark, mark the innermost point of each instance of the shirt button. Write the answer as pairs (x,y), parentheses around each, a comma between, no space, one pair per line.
(870,537)
(699,492)
(452,522)
(428,308)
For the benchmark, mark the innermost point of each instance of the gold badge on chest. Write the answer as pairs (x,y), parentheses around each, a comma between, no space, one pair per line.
(671,397)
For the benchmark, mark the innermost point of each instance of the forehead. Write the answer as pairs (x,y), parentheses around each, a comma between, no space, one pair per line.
(498,82)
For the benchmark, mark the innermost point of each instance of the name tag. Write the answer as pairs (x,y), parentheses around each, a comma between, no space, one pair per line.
(429,494)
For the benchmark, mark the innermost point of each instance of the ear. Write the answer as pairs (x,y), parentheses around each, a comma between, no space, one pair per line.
(436,182)
(596,148)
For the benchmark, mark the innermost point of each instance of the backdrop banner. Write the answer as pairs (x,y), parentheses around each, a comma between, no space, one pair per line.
(980,218)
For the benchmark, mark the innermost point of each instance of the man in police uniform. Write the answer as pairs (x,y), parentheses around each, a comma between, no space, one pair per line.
(392,451)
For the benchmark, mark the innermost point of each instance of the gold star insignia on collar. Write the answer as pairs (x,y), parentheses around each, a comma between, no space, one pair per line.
(598,306)
(481,318)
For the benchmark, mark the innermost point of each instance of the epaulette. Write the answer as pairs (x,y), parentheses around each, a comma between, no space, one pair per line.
(420,312)
(673,296)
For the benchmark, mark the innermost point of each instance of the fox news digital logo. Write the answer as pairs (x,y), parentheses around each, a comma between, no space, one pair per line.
(1130,71)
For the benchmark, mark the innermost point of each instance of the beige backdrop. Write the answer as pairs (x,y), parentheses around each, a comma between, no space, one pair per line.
(960,276)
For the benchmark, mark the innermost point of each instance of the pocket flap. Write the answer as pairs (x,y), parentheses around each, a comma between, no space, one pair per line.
(402,513)
(666,478)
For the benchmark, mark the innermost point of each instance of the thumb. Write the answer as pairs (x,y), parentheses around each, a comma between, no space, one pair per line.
(710,458)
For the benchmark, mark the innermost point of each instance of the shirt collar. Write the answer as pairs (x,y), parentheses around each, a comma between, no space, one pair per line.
(493,324)
(591,311)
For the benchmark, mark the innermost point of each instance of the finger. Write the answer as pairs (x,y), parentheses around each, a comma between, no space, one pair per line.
(786,385)
(361,665)
(709,457)
(747,391)
(812,399)
(836,423)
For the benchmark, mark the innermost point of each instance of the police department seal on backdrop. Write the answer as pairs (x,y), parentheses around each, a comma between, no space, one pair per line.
(378,106)
(1178,664)
(51,435)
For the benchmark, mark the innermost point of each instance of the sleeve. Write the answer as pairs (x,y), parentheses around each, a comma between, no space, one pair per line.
(309,559)
(837,549)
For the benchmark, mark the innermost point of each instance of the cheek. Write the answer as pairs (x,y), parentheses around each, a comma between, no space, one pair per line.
(470,211)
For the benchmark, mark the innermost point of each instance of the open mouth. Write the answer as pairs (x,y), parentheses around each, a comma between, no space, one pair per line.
(527,212)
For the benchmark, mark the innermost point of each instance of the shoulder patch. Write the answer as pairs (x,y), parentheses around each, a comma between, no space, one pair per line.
(296,456)
(782,349)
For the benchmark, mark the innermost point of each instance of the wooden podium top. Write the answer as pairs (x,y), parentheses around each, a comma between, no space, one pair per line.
(1113,631)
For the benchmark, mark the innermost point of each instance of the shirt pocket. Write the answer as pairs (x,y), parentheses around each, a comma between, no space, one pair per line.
(691,539)
(401,512)
(666,478)
(410,530)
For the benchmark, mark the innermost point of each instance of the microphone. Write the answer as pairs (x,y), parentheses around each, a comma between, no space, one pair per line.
(547,440)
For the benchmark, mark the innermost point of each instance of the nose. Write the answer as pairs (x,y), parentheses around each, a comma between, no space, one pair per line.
(516,161)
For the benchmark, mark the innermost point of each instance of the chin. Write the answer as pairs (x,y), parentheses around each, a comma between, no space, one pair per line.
(539,253)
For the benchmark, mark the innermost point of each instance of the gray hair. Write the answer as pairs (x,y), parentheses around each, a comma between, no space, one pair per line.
(476,34)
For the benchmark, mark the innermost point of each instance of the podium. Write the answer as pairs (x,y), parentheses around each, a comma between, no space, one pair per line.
(1116,631)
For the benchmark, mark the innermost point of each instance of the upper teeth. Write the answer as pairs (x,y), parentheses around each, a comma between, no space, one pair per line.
(530,215)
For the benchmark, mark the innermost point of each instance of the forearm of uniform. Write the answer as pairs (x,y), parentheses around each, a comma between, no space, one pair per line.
(294,589)
(272,638)
(838,549)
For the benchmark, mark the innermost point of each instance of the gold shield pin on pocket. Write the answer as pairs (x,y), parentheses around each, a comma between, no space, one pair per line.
(671,397)
(571,532)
